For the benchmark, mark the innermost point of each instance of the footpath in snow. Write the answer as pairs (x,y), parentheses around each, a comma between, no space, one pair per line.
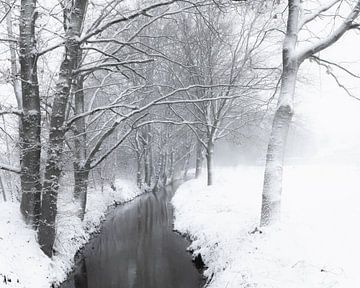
(23,264)
(315,246)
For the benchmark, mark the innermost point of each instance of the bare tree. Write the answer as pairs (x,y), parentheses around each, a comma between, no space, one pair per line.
(222,61)
(293,57)
(30,144)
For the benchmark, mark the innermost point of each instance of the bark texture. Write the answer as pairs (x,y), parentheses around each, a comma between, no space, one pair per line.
(74,13)
(271,196)
(81,169)
(29,128)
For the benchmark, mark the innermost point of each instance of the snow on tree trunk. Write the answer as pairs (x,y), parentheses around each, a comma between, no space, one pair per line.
(81,172)
(271,196)
(81,177)
(74,12)
(53,163)
(210,163)
(29,126)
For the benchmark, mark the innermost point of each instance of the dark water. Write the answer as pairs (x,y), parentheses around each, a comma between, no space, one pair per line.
(137,249)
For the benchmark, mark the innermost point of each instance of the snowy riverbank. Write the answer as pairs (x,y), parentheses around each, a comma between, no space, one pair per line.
(21,260)
(316,245)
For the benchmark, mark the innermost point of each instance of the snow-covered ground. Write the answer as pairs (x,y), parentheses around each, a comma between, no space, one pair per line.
(316,245)
(21,260)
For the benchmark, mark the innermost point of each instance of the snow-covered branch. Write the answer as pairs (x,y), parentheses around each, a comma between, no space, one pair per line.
(11,111)
(333,37)
(10,168)
(317,13)
(100,28)
(109,65)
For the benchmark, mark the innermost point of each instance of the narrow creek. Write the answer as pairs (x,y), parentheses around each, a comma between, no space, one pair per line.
(137,249)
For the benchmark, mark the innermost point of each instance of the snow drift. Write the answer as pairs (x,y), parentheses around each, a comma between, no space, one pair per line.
(23,264)
(315,246)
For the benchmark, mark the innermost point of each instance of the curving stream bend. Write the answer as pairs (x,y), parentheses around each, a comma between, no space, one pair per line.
(137,248)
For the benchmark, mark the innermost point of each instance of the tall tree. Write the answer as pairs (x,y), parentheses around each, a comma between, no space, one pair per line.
(221,61)
(74,15)
(30,144)
(293,57)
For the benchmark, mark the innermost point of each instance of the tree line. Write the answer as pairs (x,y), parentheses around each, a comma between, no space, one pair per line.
(157,81)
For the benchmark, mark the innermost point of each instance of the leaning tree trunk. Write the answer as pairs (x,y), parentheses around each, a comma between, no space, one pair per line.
(46,234)
(29,126)
(75,12)
(210,163)
(271,197)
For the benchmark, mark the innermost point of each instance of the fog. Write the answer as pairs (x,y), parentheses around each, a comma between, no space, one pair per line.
(325,128)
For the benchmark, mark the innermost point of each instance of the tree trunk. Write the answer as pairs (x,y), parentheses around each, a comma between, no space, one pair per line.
(46,234)
(186,163)
(29,127)
(13,58)
(199,159)
(210,163)
(81,173)
(8,175)
(81,177)
(151,165)
(158,171)
(3,189)
(75,12)
(147,172)
(271,197)
(164,169)
(172,168)
(138,170)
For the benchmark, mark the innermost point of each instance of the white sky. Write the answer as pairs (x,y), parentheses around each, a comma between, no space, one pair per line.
(330,114)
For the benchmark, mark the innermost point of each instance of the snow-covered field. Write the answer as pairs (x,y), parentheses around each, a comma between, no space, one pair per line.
(21,260)
(316,245)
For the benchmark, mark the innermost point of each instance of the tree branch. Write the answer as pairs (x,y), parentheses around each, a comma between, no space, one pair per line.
(334,37)
(9,168)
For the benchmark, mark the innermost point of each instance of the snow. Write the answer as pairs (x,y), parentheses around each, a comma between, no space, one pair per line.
(21,259)
(316,244)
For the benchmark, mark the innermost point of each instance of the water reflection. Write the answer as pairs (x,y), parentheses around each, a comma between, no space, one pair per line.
(137,249)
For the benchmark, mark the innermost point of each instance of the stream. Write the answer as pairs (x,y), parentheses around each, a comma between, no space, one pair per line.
(137,248)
